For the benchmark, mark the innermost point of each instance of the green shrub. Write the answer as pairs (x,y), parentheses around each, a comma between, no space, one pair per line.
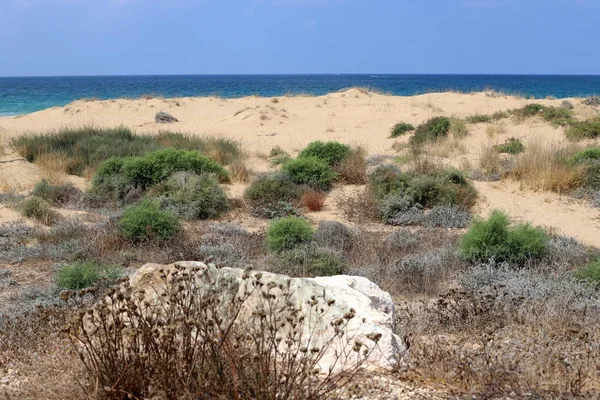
(386,180)
(81,275)
(496,239)
(38,209)
(458,128)
(589,272)
(311,171)
(529,110)
(511,146)
(56,194)
(223,150)
(579,130)
(591,176)
(193,196)
(146,221)
(557,115)
(332,153)
(287,233)
(587,155)
(309,261)
(479,118)
(155,167)
(277,151)
(400,129)
(431,130)
(273,196)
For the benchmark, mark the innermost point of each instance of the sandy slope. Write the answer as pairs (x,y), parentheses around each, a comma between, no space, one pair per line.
(353,117)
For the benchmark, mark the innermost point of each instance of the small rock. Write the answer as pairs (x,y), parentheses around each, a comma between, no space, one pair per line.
(162,117)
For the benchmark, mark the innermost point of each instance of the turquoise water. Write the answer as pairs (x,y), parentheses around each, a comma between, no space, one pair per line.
(25,95)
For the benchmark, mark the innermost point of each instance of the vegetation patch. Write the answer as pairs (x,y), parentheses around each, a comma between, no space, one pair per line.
(311,171)
(511,146)
(430,130)
(37,208)
(309,260)
(80,275)
(589,272)
(274,195)
(496,239)
(287,233)
(146,221)
(580,130)
(332,153)
(400,129)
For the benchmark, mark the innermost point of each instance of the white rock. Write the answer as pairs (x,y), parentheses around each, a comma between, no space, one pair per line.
(372,306)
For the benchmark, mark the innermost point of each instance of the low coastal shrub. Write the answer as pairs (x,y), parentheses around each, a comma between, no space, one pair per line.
(79,151)
(332,153)
(511,146)
(115,175)
(479,118)
(580,130)
(333,235)
(311,171)
(273,195)
(587,155)
(589,272)
(431,130)
(313,200)
(57,195)
(555,115)
(287,233)
(83,274)
(496,239)
(593,101)
(146,221)
(353,169)
(192,196)
(400,129)
(38,209)
(530,110)
(458,128)
(309,260)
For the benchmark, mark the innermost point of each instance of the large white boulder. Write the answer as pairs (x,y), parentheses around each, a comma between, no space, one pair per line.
(373,324)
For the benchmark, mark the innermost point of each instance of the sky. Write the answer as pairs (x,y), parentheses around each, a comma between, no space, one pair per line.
(145,37)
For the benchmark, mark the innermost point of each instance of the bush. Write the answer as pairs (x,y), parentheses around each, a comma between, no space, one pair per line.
(81,275)
(589,272)
(313,200)
(332,153)
(334,235)
(38,209)
(529,110)
(511,146)
(277,151)
(193,196)
(311,171)
(579,130)
(353,169)
(271,192)
(458,128)
(143,172)
(147,221)
(558,115)
(447,217)
(386,180)
(400,129)
(287,233)
(495,239)
(591,177)
(57,195)
(589,154)
(431,130)
(479,118)
(309,261)
(567,105)
(593,101)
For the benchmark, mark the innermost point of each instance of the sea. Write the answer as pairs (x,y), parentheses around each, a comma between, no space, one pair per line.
(29,94)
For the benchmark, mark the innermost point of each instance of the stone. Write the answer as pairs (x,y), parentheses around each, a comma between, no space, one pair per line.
(373,324)
(162,117)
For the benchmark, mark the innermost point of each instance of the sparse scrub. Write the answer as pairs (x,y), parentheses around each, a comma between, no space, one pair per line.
(447,217)
(192,196)
(589,273)
(273,195)
(400,129)
(311,171)
(511,146)
(567,105)
(57,195)
(277,151)
(287,233)
(431,130)
(334,235)
(223,150)
(332,153)
(584,156)
(593,101)
(313,200)
(555,115)
(580,130)
(308,260)
(458,128)
(479,118)
(81,275)
(38,209)
(147,221)
(495,239)
(239,172)
(353,169)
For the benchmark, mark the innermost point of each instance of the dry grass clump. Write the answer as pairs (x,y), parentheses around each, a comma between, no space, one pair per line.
(352,169)
(545,167)
(239,172)
(359,208)
(313,200)
(191,336)
(490,162)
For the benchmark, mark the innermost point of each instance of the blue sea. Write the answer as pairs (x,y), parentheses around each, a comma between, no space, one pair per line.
(26,95)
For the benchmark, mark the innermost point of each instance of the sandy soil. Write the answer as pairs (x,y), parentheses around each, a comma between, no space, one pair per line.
(354,117)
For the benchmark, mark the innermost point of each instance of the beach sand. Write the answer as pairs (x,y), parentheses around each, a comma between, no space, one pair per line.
(355,117)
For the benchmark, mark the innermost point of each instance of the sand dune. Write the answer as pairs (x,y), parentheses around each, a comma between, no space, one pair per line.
(355,117)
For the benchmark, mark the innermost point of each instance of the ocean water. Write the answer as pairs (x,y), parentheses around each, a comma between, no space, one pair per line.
(26,95)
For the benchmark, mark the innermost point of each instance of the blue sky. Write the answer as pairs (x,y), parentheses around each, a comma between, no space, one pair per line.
(112,37)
